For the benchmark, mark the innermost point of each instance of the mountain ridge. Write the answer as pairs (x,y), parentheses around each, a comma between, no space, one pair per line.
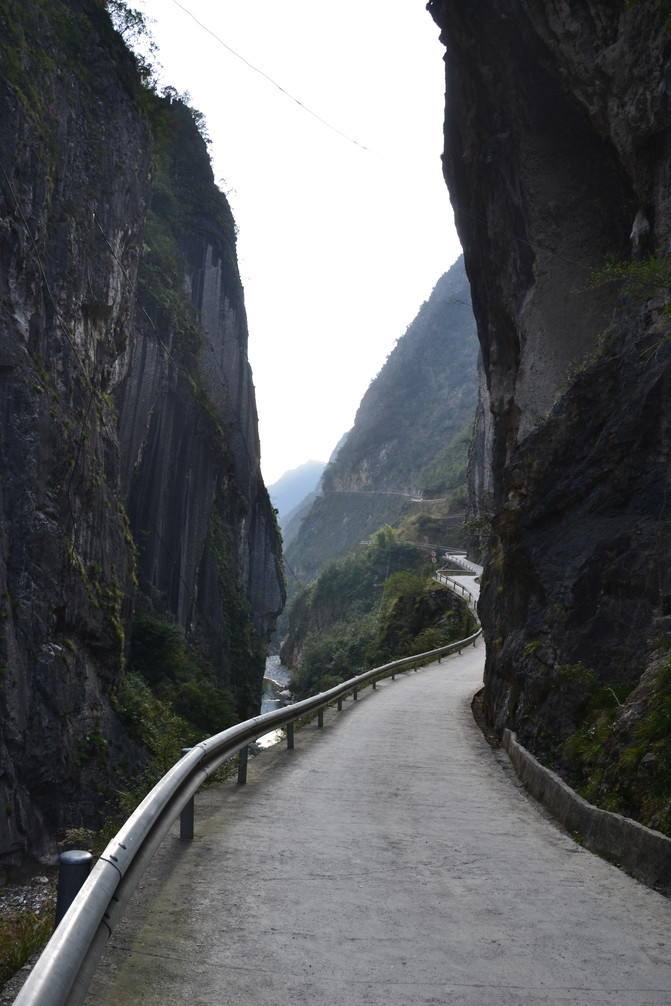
(410,436)
(290,490)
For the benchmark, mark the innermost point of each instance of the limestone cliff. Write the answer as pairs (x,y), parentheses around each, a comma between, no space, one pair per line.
(208,544)
(557,146)
(79,166)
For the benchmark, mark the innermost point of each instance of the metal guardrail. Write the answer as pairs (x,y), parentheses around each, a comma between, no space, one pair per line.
(458,586)
(455,585)
(459,559)
(65,969)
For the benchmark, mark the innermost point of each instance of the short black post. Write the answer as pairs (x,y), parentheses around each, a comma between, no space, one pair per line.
(243,756)
(73,869)
(290,736)
(186,821)
(355,694)
(374,685)
(187,815)
(340,704)
(320,717)
(393,675)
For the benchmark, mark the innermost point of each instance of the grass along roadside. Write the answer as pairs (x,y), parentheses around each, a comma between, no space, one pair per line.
(26,922)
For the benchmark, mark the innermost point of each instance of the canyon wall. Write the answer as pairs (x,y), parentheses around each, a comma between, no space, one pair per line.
(557,146)
(129,460)
(209,552)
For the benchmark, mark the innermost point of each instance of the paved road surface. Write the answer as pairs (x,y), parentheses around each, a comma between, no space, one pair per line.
(392,858)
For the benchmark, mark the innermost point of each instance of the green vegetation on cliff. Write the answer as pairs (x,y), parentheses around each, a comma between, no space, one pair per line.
(180,677)
(377,604)
(623,763)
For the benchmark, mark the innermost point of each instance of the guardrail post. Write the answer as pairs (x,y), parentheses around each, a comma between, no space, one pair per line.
(73,869)
(187,815)
(340,704)
(186,821)
(290,736)
(243,756)
(355,694)
(320,717)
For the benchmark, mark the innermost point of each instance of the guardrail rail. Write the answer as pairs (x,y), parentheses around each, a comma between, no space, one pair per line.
(65,969)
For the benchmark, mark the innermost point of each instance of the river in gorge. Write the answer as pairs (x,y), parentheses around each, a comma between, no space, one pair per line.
(275,695)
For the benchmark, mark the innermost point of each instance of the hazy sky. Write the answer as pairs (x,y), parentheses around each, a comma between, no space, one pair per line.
(341,237)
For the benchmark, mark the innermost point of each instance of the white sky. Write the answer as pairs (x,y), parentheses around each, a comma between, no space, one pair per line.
(338,245)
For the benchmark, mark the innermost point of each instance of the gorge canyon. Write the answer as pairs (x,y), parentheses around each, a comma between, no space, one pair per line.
(130,483)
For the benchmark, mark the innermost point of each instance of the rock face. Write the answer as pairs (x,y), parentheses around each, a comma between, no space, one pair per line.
(208,544)
(557,146)
(77,173)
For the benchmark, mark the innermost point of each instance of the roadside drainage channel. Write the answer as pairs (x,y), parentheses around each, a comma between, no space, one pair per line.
(640,851)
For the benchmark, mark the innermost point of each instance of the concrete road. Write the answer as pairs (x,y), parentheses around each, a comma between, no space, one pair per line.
(391,858)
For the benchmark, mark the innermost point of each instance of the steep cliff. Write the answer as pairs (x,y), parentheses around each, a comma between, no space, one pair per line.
(409,441)
(557,145)
(78,165)
(208,545)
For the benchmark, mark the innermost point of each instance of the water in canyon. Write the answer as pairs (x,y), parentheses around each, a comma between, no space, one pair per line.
(275,695)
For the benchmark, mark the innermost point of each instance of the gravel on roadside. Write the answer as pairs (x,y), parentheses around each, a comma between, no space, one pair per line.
(34,897)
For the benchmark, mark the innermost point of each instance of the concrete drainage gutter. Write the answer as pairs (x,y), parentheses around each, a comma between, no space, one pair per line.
(640,851)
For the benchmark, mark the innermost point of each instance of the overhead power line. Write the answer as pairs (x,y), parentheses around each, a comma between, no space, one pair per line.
(270,80)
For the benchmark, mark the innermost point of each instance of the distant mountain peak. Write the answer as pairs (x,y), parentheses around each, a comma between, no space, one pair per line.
(292,487)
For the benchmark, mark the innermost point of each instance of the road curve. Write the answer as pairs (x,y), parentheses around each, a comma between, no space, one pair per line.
(391,858)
